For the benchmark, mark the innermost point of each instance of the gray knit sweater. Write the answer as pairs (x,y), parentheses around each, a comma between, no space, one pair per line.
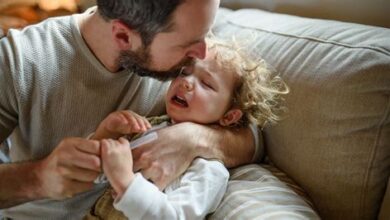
(51,87)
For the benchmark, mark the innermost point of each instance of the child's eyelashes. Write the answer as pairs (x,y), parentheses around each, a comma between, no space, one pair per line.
(187,71)
(208,85)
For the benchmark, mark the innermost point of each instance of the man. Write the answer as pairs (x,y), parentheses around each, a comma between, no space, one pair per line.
(60,78)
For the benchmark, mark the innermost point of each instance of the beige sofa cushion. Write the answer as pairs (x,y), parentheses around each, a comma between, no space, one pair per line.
(372,12)
(263,192)
(335,140)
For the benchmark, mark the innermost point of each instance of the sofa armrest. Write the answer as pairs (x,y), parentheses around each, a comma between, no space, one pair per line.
(385,209)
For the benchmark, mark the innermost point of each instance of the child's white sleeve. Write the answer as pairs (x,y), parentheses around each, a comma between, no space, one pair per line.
(196,194)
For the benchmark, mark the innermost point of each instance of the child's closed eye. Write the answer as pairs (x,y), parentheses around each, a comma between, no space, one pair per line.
(207,84)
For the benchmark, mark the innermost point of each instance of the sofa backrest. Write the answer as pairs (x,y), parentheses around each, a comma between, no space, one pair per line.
(335,139)
(373,12)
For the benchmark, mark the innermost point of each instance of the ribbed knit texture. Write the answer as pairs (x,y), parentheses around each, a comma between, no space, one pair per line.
(51,87)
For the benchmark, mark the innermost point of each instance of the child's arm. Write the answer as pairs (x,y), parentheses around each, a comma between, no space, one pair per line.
(120,123)
(197,193)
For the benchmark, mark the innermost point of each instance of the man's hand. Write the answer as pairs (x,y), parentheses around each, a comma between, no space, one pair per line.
(120,123)
(117,163)
(70,169)
(166,158)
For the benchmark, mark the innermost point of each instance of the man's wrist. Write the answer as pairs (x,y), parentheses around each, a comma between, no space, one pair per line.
(20,183)
(36,180)
(231,146)
(208,140)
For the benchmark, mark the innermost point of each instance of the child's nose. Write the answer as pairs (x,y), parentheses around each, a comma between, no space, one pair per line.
(187,85)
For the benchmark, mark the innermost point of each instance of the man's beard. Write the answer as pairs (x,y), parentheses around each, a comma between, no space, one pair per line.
(139,62)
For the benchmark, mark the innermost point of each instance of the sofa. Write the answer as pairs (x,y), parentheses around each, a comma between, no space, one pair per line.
(332,147)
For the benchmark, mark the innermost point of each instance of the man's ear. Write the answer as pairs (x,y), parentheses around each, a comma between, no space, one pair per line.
(125,38)
(231,117)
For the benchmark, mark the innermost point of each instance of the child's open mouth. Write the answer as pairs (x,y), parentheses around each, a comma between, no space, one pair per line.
(179,101)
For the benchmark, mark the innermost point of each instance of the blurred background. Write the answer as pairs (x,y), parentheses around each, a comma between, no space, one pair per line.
(19,13)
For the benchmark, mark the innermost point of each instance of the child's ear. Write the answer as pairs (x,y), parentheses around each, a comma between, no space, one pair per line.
(124,37)
(231,117)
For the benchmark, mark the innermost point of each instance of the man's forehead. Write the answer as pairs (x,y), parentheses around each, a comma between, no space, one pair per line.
(195,14)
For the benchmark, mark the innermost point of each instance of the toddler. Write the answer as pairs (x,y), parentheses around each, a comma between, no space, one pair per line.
(228,88)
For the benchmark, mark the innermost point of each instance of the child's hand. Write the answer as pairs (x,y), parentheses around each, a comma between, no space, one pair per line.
(117,163)
(120,123)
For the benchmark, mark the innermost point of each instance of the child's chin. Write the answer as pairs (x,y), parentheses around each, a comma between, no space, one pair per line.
(178,119)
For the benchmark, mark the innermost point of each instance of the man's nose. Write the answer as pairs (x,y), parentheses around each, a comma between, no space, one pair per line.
(198,50)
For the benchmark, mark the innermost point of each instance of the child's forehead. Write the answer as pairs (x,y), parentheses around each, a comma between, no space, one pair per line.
(208,65)
(220,74)
(210,61)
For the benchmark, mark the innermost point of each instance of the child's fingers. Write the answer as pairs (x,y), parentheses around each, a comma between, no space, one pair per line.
(146,123)
(132,122)
(143,123)
(137,123)
(116,121)
(123,140)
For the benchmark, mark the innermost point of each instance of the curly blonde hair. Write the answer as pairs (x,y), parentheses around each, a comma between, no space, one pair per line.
(258,90)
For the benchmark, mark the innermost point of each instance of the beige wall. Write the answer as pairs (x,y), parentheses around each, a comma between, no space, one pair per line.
(372,12)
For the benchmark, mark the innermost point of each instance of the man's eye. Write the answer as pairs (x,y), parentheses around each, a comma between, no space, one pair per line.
(184,72)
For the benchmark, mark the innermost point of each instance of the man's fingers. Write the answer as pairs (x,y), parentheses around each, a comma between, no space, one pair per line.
(161,184)
(86,161)
(78,174)
(80,153)
(156,176)
(142,159)
(71,168)
(87,146)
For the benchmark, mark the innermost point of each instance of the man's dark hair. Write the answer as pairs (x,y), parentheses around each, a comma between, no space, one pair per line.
(147,17)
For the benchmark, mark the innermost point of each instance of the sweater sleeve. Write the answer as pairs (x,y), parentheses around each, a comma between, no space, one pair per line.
(196,194)
(8,96)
